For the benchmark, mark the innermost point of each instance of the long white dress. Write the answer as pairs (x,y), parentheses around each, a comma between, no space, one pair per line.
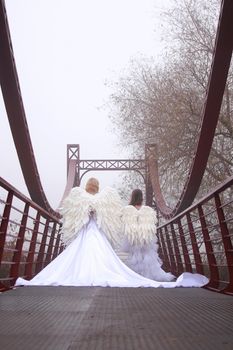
(140,243)
(89,260)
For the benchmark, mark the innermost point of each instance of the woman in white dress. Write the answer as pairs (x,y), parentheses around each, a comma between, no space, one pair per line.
(140,240)
(91,220)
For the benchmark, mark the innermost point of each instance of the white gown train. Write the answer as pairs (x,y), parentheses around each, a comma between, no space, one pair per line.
(91,261)
(144,260)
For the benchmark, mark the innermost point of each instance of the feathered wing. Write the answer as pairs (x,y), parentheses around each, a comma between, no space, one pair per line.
(130,223)
(147,220)
(139,226)
(75,210)
(108,206)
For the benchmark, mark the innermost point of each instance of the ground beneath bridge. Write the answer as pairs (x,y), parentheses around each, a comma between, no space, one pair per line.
(68,318)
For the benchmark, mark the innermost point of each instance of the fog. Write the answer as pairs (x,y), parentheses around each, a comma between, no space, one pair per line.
(65,51)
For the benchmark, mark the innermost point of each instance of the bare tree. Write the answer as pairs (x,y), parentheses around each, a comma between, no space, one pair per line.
(161,102)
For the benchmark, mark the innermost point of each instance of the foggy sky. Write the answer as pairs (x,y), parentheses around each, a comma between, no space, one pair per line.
(64,52)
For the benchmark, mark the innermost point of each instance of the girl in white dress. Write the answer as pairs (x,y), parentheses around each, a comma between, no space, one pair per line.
(140,240)
(91,220)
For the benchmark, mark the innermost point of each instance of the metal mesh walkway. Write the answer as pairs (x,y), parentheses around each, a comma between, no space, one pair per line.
(68,318)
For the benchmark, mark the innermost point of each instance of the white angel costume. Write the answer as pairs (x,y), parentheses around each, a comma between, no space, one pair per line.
(140,242)
(90,223)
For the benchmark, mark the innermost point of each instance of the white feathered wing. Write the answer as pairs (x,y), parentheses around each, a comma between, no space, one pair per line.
(105,206)
(75,210)
(139,225)
(108,206)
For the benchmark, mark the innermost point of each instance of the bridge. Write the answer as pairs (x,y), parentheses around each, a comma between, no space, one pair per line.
(196,236)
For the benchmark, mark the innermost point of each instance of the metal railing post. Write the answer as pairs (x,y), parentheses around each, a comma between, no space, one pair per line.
(31,253)
(214,274)
(188,265)
(196,253)
(14,272)
(228,248)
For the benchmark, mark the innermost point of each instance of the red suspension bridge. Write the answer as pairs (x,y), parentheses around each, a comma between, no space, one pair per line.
(195,238)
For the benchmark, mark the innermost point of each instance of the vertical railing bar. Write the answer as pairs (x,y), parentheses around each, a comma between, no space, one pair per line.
(55,253)
(5,222)
(50,247)
(196,253)
(226,242)
(40,257)
(165,259)
(31,252)
(159,244)
(62,247)
(180,268)
(171,253)
(14,272)
(160,248)
(214,274)
(187,261)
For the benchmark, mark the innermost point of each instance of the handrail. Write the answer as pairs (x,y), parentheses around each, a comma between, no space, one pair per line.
(29,236)
(200,239)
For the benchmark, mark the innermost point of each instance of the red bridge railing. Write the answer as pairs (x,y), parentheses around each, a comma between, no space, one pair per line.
(29,236)
(198,240)
(201,239)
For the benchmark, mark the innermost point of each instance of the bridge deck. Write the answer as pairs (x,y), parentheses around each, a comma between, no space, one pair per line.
(63,318)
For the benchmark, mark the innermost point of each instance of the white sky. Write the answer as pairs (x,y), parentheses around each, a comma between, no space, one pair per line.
(65,51)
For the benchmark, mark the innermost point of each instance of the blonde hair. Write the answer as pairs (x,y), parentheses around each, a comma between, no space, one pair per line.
(92,186)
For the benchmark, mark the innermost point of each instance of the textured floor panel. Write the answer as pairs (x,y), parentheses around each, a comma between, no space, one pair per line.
(87,318)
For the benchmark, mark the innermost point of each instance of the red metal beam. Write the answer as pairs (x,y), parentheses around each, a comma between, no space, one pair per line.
(16,115)
(70,179)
